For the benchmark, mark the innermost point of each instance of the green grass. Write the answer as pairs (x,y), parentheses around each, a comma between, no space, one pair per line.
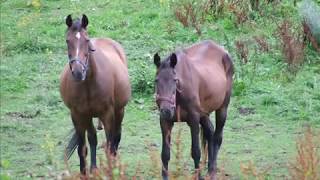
(35,123)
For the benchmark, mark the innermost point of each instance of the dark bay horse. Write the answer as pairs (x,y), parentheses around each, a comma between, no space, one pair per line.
(190,84)
(95,83)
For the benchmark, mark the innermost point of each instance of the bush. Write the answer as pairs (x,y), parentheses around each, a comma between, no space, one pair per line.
(307,162)
(142,77)
(191,13)
(291,44)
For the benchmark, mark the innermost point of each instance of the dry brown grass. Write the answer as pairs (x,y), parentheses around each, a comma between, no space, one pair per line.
(240,12)
(262,43)
(192,14)
(249,171)
(112,168)
(242,51)
(291,44)
(306,165)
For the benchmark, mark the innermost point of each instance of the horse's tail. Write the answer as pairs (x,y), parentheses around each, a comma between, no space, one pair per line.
(203,141)
(72,145)
(229,68)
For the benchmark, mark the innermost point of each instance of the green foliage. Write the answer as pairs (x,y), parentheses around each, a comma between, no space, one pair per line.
(4,164)
(142,77)
(34,3)
(49,146)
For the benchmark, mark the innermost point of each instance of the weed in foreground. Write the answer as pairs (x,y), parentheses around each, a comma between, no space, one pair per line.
(291,44)
(307,161)
(249,171)
(191,13)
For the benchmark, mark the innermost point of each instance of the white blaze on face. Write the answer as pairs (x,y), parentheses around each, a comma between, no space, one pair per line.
(78,35)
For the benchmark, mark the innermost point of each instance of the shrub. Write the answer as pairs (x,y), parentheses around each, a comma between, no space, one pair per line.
(291,44)
(307,161)
(191,13)
(142,77)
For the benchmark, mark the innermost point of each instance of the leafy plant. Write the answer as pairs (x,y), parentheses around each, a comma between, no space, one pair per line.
(191,13)
(49,146)
(307,161)
(291,44)
(142,80)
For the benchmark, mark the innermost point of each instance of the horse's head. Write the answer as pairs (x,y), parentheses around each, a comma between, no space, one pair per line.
(166,85)
(79,46)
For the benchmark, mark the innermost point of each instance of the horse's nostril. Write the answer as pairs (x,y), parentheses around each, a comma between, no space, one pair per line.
(77,75)
(165,113)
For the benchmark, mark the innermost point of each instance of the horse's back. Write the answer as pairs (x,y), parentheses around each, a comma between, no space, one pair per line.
(207,59)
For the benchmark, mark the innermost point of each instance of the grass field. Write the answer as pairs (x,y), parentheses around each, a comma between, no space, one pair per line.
(269,108)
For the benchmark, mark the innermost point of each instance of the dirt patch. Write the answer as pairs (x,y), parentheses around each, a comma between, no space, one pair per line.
(23,115)
(246,111)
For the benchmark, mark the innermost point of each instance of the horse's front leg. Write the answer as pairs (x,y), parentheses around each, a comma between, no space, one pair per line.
(166,128)
(80,124)
(193,123)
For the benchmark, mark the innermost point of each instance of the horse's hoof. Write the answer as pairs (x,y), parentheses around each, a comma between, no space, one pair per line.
(165,178)
(83,177)
(211,176)
(94,171)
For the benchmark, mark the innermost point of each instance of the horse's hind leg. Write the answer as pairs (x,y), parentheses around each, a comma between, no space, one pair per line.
(112,126)
(221,116)
(116,132)
(208,132)
(92,138)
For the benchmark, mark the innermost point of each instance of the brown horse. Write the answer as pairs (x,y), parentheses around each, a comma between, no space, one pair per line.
(95,83)
(190,84)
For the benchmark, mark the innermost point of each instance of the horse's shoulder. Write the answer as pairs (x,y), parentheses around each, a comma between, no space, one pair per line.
(108,43)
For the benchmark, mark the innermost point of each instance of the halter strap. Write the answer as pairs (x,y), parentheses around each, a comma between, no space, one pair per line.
(84,65)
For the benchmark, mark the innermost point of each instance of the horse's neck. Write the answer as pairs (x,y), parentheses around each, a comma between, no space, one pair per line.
(92,68)
(184,70)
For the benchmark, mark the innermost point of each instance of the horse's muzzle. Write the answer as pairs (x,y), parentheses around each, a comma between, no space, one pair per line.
(78,75)
(166,113)
(78,69)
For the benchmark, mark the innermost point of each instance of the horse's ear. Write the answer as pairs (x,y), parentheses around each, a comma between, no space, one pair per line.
(69,20)
(84,21)
(173,60)
(156,60)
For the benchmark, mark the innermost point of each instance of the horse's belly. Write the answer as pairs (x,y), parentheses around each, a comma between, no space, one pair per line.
(212,103)
(94,108)
(213,95)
